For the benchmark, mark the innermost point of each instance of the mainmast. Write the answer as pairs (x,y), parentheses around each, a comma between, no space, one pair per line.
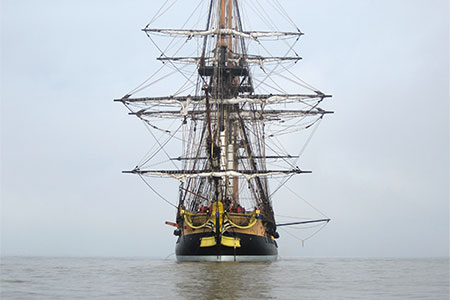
(226,86)
(224,80)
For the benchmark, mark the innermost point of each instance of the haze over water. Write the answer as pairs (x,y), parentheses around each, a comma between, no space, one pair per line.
(288,278)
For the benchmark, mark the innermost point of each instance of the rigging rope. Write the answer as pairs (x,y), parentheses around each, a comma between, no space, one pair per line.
(307,238)
(136,89)
(286,15)
(282,183)
(161,146)
(287,161)
(156,192)
(303,199)
(171,62)
(308,141)
(156,16)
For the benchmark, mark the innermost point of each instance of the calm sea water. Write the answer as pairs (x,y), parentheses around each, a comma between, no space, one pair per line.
(289,278)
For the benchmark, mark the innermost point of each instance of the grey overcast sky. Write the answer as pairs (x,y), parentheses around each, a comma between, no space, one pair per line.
(380,163)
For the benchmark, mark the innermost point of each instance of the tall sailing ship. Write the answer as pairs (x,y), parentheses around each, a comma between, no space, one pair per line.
(229,131)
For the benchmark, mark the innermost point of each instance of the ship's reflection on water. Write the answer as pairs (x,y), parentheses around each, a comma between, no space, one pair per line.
(224,280)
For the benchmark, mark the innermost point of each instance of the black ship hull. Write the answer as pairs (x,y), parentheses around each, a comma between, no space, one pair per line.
(251,248)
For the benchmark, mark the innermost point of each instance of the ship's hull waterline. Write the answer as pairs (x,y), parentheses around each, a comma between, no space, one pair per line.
(252,248)
(226,258)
